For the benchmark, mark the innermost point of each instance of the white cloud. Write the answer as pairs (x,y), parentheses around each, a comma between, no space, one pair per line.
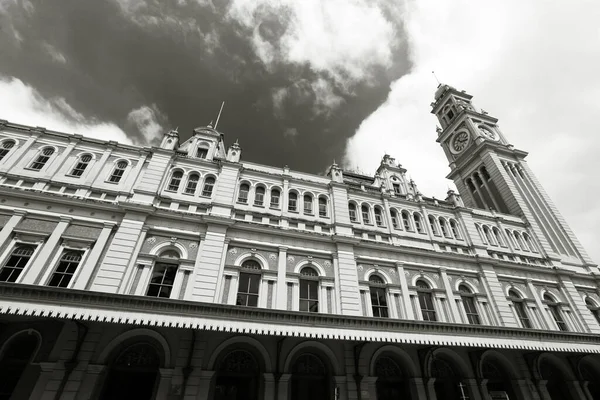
(54,53)
(146,120)
(531,64)
(20,103)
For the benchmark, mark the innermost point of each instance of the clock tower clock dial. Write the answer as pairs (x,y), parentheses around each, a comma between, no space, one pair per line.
(460,141)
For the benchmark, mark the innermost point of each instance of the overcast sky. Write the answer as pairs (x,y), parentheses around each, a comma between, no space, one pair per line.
(306,82)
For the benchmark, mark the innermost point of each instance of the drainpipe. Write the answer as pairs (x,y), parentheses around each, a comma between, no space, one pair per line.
(187,370)
(357,376)
(70,365)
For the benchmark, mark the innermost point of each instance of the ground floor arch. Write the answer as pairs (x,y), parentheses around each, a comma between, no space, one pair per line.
(238,375)
(556,381)
(15,358)
(589,371)
(310,377)
(392,378)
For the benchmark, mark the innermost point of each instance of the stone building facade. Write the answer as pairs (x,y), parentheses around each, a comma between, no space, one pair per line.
(182,272)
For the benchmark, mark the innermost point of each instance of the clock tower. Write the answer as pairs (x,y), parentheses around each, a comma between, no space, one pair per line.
(491,174)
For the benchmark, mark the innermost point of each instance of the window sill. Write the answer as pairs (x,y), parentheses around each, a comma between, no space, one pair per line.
(272,207)
(73,176)
(112,183)
(32,169)
(242,202)
(258,205)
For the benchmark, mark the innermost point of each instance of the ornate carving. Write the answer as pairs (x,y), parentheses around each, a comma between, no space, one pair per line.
(239,362)
(193,245)
(309,364)
(233,251)
(291,259)
(327,264)
(141,355)
(151,240)
(386,367)
(360,267)
(272,256)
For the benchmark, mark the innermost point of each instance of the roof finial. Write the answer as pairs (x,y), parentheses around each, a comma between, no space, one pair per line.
(176,130)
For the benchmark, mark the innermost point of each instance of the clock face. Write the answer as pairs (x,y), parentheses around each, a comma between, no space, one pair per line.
(488,133)
(460,141)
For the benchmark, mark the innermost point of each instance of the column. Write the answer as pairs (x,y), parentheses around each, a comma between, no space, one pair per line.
(497,297)
(576,389)
(88,268)
(269,386)
(47,369)
(90,381)
(473,389)
(341,385)
(417,389)
(220,275)
(204,384)
(281,296)
(541,386)
(348,277)
(208,262)
(368,387)
(283,386)
(450,296)
(7,230)
(43,257)
(550,324)
(408,308)
(164,383)
(526,390)
(337,288)
(129,275)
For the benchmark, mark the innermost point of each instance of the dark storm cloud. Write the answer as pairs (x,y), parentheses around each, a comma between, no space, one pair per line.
(181,59)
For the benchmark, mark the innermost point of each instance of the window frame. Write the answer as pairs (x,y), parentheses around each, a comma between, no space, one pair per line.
(520,307)
(208,186)
(292,202)
(259,197)
(365,213)
(323,205)
(378,213)
(308,281)
(5,151)
(168,264)
(593,307)
(10,254)
(241,189)
(252,274)
(425,295)
(80,166)
(57,264)
(272,204)
(352,212)
(174,187)
(378,291)
(204,154)
(469,304)
(42,159)
(118,172)
(307,204)
(557,315)
(188,189)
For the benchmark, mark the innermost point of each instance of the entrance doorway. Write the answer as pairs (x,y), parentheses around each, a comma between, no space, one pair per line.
(237,377)
(498,380)
(310,379)
(447,385)
(392,384)
(132,375)
(15,359)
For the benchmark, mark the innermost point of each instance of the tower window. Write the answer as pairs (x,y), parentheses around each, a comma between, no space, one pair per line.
(432,225)
(275,195)
(322,207)
(202,153)
(309,290)
(352,212)
(243,193)
(365,213)
(378,216)
(175,181)
(378,296)
(293,202)
(454,229)
(42,159)
(259,196)
(17,261)
(81,165)
(66,269)
(118,172)
(406,221)
(192,184)
(209,184)
(397,189)
(418,223)
(6,147)
(395,219)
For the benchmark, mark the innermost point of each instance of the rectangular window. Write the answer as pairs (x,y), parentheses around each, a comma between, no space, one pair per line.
(352,215)
(396,187)
(66,268)
(308,206)
(275,199)
(322,209)
(365,217)
(292,204)
(379,302)
(378,219)
(309,295)
(202,153)
(259,198)
(161,282)
(248,290)
(427,308)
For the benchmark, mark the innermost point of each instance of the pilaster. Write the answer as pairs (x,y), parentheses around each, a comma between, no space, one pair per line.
(87,269)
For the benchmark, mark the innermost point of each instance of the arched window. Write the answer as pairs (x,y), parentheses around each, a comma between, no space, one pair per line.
(118,172)
(406,221)
(309,290)
(520,241)
(454,229)
(498,236)
(259,196)
(209,184)
(243,193)
(310,378)
(418,223)
(488,235)
(395,219)
(555,311)
(365,214)
(293,202)
(323,206)
(511,239)
(18,260)
(275,195)
(249,284)
(5,148)
(378,296)
(42,158)
(202,153)
(444,227)
(468,300)
(163,275)
(378,216)
(529,243)
(17,356)
(192,183)
(81,165)
(425,295)
(352,212)
(433,225)
(520,308)
(593,307)
(65,269)
(175,181)
(308,204)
